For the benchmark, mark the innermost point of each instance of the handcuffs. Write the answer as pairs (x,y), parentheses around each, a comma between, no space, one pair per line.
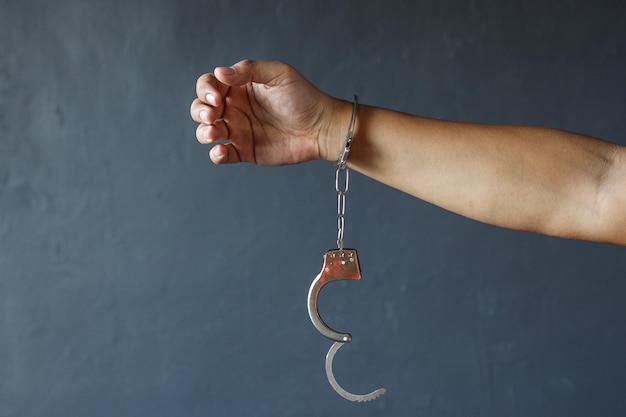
(339,264)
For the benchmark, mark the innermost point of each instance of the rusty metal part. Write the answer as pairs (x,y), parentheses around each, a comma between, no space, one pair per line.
(338,264)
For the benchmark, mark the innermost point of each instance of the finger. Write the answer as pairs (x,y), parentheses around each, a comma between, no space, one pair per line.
(210,90)
(270,73)
(203,113)
(212,133)
(224,153)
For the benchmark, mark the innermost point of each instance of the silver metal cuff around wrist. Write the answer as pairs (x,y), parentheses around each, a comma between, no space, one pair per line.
(341,164)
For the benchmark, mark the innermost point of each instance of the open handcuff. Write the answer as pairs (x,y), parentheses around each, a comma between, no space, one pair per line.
(339,264)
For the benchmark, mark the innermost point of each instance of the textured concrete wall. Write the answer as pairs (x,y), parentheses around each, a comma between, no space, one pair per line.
(137,279)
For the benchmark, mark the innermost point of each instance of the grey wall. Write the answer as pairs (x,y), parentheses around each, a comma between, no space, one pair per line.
(137,279)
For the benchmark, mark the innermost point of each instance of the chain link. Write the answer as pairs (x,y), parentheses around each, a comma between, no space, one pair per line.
(342,190)
(342,171)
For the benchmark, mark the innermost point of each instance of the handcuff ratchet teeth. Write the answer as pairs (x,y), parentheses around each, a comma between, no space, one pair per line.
(333,382)
(339,264)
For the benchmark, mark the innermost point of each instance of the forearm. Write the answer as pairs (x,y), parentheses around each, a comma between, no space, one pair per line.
(526,178)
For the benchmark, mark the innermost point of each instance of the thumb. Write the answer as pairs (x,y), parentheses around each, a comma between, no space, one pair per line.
(263,72)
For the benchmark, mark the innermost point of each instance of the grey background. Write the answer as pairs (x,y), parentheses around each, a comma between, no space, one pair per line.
(138,279)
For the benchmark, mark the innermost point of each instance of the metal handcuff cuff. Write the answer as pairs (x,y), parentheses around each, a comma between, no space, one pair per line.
(339,264)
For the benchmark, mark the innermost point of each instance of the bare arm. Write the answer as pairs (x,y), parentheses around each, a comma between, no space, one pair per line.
(526,178)
(535,179)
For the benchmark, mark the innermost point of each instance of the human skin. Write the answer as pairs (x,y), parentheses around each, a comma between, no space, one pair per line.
(535,179)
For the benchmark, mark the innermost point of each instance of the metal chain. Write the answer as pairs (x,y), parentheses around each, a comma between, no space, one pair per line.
(342,170)
(341,202)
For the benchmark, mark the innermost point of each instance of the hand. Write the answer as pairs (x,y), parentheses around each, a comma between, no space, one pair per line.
(266,113)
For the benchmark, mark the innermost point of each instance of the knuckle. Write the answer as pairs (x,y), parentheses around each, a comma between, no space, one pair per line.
(205,82)
(202,80)
(248,63)
(194,105)
(200,134)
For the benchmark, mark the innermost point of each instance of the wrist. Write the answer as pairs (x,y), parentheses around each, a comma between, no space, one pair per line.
(332,139)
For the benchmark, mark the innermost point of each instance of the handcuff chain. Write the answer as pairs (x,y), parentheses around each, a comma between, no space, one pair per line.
(341,203)
(342,170)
